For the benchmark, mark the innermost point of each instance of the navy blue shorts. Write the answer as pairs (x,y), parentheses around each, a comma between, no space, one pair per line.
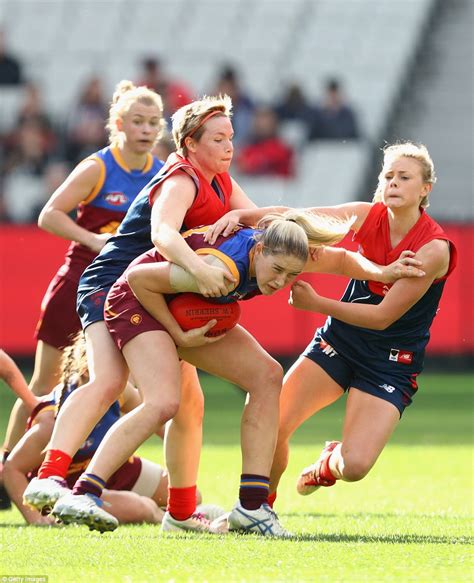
(395,386)
(90,306)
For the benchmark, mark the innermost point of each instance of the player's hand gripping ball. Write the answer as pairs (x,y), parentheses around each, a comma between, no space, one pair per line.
(193,311)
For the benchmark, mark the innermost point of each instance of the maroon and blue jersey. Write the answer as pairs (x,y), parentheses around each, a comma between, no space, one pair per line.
(107,204)
(235,251)
(85,453)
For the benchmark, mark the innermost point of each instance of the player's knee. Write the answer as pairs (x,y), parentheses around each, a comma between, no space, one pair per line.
(271,377)
(356,467)
(158,411)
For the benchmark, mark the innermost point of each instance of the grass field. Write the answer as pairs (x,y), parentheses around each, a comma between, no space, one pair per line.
(409,520)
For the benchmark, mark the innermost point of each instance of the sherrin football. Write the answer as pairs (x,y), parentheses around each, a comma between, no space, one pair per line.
(193,311)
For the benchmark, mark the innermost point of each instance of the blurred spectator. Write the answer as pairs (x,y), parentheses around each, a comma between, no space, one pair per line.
(23,189)
(164,147)
(174,93)
(228,83)
(85,132)
(334,118)
(266,154)
(10,67)
(294,105)
(32,110)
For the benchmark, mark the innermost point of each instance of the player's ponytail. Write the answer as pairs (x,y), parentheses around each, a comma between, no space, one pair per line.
(74,370)
(292,232)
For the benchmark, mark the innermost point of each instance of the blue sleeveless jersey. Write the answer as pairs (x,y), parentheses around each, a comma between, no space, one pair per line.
(236,252)
(106,206)
(133,238)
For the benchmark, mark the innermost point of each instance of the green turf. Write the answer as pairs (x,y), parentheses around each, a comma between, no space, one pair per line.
(409,520)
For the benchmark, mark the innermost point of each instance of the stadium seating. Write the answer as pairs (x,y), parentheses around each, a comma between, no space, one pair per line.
(370,45)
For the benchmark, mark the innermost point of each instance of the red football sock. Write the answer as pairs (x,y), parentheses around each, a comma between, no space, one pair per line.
(181,502)
(56,463)
(271,499)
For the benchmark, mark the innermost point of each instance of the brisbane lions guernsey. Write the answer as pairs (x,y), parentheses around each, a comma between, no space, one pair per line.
(85,453)
(105,207)
(235,251)
(410,334)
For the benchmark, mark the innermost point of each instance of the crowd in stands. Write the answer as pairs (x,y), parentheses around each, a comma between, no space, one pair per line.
(39,151)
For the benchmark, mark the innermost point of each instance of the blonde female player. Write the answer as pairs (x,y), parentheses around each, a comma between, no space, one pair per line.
(258,267)
(373,345)
(261,262)
(192,189)
(101,188)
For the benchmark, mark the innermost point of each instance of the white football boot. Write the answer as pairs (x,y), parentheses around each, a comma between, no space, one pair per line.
(43,494)
(196,522)
(263,521)
(84,509)
(210,511)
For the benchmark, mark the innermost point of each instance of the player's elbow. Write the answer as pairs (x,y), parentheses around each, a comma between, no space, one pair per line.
(44,219)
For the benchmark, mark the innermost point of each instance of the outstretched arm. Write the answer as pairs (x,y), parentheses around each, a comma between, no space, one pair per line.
(399,299)
(340,261)
(11,374)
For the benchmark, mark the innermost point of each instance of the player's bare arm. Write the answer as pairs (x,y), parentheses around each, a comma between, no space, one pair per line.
(150,281)
(399,299)
(340,261)
(168,212)
(54,216)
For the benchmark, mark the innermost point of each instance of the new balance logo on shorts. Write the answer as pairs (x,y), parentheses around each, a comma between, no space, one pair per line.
(387,388)
(327,349)
(402,356)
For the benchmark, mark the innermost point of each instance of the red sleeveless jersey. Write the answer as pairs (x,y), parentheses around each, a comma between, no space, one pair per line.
(374,241)
(211,202)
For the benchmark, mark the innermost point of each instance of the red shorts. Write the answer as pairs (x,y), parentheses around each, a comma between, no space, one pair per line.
(125,316)
(58,320)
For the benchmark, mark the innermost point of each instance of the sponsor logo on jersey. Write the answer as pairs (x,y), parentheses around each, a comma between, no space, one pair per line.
(116,198)
(387,388)
(135,319)
(327,349)
(401,356)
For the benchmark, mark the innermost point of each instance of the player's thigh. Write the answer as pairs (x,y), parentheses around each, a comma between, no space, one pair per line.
(154,364)
(307,388)
(237,357)
(368,424)
(104,359)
